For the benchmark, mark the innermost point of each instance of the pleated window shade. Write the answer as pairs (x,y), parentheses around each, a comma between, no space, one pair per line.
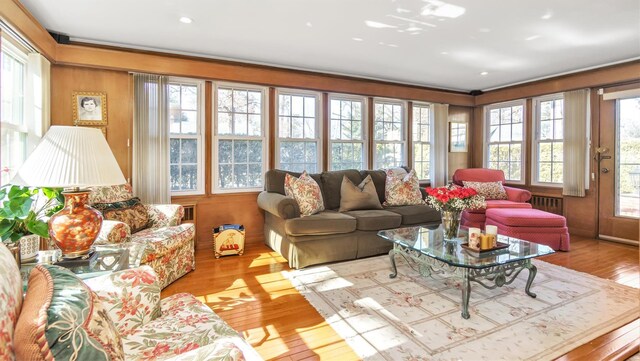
(576,143)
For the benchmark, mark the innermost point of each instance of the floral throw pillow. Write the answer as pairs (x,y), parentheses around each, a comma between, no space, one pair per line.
(403,190)
(288,183)
(307,194)
(489,190)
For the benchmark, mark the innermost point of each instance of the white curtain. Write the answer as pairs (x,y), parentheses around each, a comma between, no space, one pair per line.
(151,139)
(39,86)
(576,143)
(439,145)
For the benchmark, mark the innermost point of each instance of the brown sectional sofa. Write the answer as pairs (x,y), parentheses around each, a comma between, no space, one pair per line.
(331,236)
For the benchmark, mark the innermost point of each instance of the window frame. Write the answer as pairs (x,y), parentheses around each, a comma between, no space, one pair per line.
(364,127)
(318,125)
(430,142)
(403,133)
(523,142)
(535,141)
(215,137)
(199,136)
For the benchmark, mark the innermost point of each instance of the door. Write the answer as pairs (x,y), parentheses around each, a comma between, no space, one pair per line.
(618,155)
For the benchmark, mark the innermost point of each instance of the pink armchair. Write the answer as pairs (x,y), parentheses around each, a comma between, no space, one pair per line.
(516,197)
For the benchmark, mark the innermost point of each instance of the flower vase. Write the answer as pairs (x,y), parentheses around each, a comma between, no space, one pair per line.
(451,224)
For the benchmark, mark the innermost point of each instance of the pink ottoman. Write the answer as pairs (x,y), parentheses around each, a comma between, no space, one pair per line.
(532,225)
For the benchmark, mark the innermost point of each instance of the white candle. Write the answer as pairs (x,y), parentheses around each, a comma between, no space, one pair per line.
(491,229)
(474,237)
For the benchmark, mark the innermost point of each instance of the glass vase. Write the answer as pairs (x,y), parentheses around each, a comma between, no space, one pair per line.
(450,224)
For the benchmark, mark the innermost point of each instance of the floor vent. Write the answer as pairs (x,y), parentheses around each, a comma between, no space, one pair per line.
(547,204)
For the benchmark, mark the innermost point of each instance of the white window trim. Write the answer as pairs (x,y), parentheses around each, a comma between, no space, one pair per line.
(487,129)
(536,140)
(404,135)
(365,127)
(216,138)
(319,129)
(430,141)
(199,134)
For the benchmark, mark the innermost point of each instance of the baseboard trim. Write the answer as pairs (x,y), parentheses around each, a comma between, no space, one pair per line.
(619,240)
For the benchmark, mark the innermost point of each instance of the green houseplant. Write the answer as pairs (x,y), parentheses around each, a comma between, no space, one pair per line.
(24,210)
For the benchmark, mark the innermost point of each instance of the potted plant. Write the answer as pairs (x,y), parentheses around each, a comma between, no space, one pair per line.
(24,212)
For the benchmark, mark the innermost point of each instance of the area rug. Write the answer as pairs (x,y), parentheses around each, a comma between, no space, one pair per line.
(416,318)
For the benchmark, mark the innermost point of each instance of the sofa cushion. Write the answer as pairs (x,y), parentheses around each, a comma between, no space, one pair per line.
(526,218)
(327,222)
(63,319)
(379,178)
(307,193)
(489,190)
(332,183)
(402,191)
(361,196)
(108,194)
(478,175)
(375,220)
(163,240)
(274,180)
(10,300)
(186,324)
(132,212)
(416,214)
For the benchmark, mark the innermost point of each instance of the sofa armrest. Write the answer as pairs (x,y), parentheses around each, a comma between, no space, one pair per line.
(164,215)
(131,297)
(517,194)
(113,232)
(278,205)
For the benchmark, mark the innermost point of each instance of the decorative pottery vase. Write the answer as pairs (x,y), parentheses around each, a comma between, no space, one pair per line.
(76,226)
(450,224)
(29,247)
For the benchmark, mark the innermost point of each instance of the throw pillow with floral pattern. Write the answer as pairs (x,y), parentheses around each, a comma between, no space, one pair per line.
(402,190)
(489,190)
(307,194)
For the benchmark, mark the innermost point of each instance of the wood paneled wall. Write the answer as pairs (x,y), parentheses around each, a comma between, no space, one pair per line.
(65,80)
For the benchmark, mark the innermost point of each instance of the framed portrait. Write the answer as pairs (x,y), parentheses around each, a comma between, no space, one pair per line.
(457,137)
(89,108)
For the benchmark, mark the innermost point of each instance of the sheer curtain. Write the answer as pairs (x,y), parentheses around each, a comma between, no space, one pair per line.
(440,154)
(151,139)
(576,143)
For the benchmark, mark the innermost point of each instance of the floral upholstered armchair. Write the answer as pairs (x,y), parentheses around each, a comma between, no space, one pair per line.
(169,244)
(113,317)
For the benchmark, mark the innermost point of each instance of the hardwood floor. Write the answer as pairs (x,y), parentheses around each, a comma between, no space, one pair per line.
(250,293)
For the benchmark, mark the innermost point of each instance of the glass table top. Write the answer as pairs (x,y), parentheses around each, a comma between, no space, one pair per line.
(430,242)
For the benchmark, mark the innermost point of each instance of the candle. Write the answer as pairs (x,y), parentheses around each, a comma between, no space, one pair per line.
(474,238)
(491,229)
(485,241)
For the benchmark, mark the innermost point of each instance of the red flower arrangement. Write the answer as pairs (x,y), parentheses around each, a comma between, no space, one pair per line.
(454,198)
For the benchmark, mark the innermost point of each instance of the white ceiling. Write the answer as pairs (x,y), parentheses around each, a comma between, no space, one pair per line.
(407,41)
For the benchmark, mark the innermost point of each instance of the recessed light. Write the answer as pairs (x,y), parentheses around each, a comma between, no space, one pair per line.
(548,15)
(186,20)
(484,73)
(533,37)
(357,39)
(377,25)
(444,53)
(309,24)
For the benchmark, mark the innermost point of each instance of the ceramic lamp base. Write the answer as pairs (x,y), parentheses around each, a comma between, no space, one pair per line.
(76,226)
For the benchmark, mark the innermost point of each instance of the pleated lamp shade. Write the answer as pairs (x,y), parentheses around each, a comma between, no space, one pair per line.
(70,157)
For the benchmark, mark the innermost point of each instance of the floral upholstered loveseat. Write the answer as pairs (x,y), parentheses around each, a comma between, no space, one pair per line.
(113,317)
(169,244)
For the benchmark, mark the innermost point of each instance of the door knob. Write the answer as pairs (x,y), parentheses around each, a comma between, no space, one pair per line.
(605,170)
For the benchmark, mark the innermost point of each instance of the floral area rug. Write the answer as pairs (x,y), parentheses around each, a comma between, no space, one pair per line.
(418,318)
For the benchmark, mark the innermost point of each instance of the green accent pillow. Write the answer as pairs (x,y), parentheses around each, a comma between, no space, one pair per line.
(63,319)
(132,212)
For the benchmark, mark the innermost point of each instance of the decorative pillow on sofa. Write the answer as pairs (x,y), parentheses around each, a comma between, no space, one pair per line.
(288,183)
(362,196)
(307,194)
(63,319)
(489,190)
(402,191)
(131,212)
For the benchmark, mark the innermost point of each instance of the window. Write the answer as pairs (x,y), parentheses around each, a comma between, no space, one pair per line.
(388,134)
(505,132)
(547,152)
(347,144)
(185,136)
(12,122)
(627,160)
(240,145)
(421,129)
(298,132)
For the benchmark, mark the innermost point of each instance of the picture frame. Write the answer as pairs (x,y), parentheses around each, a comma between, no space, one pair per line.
(458,137)
(89,108)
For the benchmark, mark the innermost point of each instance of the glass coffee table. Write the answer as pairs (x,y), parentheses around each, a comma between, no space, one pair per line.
(427,252)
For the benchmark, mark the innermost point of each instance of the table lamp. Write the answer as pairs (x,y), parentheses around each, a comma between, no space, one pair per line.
(73,158)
